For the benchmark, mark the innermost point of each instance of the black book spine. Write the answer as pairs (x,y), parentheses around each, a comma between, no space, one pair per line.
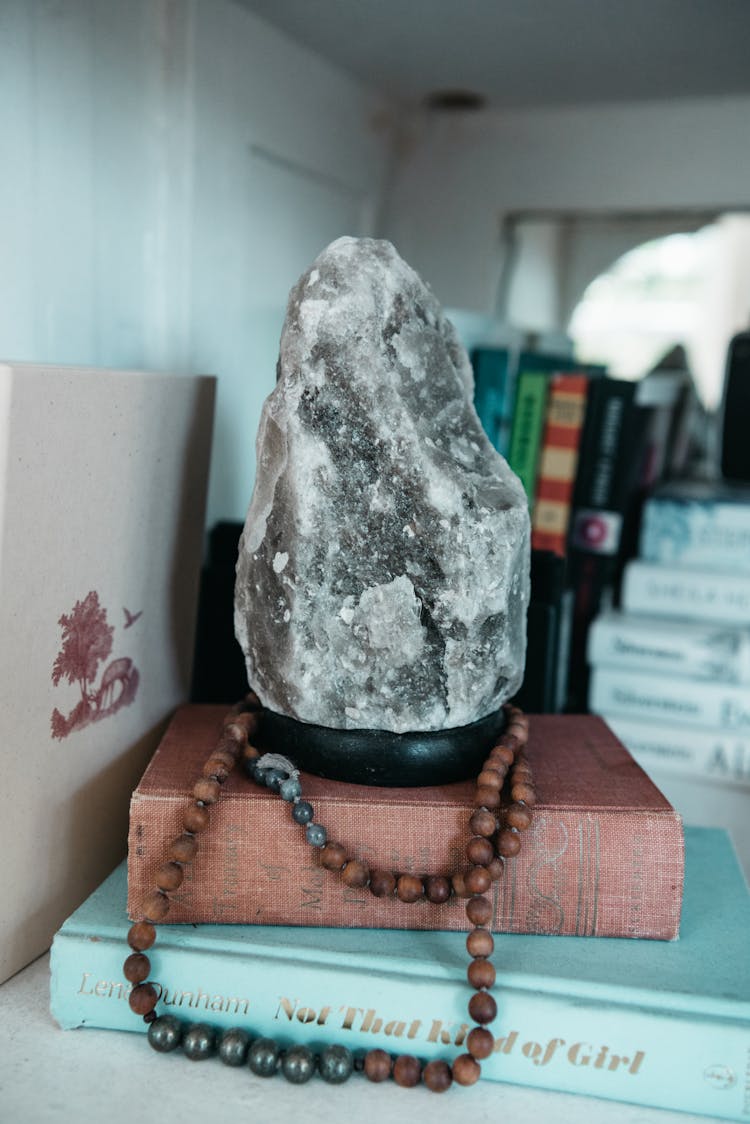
(608,467)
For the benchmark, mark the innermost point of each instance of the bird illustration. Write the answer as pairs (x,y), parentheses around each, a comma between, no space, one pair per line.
(131,618)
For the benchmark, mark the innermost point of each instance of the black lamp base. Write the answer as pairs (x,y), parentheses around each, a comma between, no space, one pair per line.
(379,757)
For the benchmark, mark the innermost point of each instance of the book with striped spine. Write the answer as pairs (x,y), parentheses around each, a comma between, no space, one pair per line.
(558,464)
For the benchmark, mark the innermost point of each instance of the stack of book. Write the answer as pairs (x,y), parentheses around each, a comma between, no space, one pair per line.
(587,448)
(658,1022)
(671,667)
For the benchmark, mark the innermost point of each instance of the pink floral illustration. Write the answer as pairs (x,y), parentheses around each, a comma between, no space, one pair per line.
(86,642)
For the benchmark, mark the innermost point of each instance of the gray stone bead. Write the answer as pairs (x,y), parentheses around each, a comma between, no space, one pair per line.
(233,1046)
(290,789)
(298,1064)
(273,779)
(315,834)
(199,1042)
(165,1033)
(263,1056)
(302,812)
(336,1064)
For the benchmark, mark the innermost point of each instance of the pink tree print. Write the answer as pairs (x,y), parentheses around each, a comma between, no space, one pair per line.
(86,641)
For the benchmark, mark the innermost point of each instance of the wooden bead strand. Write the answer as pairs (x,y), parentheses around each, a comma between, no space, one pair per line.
(496,827)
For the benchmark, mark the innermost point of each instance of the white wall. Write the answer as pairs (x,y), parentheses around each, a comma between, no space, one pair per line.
(460,174)
(287,156)
(88,207)
(169,167)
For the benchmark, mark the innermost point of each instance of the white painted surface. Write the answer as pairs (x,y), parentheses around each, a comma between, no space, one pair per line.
(171,166)
(530,53)
(169,169)
(460,174)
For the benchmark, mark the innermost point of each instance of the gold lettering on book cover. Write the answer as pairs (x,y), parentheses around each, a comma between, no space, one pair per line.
(555,1050)
(171,997)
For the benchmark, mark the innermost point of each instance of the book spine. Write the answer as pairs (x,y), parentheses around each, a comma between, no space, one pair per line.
(693,594)
(600,1046)
(669,699)
(706,534)
(608,460)
(492,397)
(558,463)
(713,755)
(579,875)
(697,649)
(539,691)
(528,422)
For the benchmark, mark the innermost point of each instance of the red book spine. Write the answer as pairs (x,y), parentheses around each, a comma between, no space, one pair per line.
(588,866)
(566,410)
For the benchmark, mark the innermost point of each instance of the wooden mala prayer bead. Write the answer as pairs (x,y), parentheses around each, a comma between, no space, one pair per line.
(407,1071)
(378,1065)
(382,883)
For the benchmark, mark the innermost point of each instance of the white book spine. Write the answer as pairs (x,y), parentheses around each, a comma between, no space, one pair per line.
(669,699)
(691,594)
(714,755)
(645,642)
(710,533)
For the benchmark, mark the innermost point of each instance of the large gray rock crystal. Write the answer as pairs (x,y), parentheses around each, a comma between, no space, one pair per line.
(383,573)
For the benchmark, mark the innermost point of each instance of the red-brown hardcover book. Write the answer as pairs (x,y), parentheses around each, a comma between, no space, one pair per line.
(604,855)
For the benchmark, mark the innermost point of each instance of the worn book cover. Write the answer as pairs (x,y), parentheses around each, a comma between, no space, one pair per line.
(604,855)
(102,497)
(651,1022)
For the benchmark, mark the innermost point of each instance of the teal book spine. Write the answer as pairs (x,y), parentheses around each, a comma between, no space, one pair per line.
(494,393)
(665,1024)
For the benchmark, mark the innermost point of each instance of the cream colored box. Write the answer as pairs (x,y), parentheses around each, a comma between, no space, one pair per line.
(103,478)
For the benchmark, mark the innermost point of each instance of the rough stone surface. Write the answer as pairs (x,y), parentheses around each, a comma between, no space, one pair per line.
(383,573)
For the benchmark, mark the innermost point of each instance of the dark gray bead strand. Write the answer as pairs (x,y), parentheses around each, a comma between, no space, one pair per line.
(233,1046)
(298,1064)
(302,812)
(315,834)
(335,1064)
(263,1057)
(199,1042)
(165,1033)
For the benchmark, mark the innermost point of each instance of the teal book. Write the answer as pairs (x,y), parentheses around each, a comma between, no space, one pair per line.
(494,393)
(665,1024)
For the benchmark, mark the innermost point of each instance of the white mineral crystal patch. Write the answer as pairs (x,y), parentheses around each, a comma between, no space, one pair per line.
(346,612)
(399,599)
